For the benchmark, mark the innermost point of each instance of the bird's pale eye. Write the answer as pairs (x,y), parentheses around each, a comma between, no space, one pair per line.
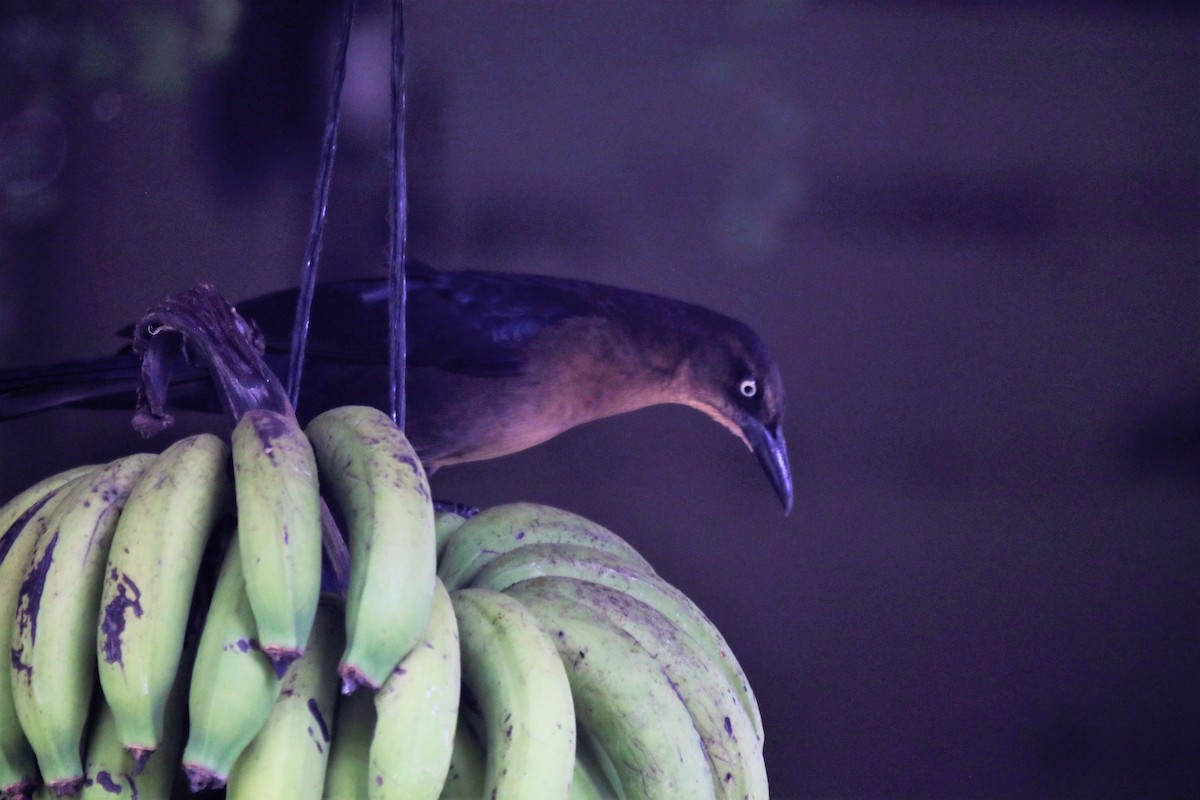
(748,387)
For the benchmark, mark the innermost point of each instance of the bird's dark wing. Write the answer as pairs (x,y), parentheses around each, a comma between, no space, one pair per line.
(475,323)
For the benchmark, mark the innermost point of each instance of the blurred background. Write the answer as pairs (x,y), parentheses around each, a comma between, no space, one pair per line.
(969,230)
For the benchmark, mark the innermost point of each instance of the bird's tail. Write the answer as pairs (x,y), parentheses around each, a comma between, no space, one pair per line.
(109,382)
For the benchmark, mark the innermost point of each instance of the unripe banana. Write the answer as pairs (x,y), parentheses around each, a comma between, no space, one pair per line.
(149,580)
(113,772)
(587,564)
(286,760)
(233,687)
(375,476)
(468,766)
(418,711)
(627,702)
(53,644)
(22,520)
(495,531)
(279,529)
(512,671)
(724,726)
(347,773)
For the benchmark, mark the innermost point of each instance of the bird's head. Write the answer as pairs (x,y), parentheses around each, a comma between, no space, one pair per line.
(730,375)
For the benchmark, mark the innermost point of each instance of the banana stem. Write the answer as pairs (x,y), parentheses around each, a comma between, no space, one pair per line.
(199,324)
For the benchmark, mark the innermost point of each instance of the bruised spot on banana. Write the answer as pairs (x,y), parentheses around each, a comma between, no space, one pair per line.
(127,600)
(29,601)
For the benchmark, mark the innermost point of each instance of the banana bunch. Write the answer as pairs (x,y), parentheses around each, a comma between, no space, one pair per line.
(174,628)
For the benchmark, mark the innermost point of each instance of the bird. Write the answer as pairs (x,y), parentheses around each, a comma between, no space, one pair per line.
(496,363)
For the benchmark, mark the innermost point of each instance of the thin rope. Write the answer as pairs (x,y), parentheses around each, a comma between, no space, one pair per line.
(316,228)
(397,280)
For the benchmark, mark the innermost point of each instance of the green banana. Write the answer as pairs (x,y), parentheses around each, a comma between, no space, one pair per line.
(22,519)
(287,758)
(587,564)
(348,770)
(495,531)
(468,766)
(53,643)
(233,686)
(110,768)
(148,583)
(724,726)
(375,476)
(418,711)
(512,671)
(626,701)
(279,529)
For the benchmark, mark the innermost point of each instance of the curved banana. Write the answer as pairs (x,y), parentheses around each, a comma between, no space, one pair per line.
(512,670)
(587,564)
(149,580)
(233,687)
(279,529)
(347,773)
(495,531)
(468,766)
(718,716)
(287,758)
(53,644)
(418,712)
(112,771)
(22,519)
(377,479)
(626,701)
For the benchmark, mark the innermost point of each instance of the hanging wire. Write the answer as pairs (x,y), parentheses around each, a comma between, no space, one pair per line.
(316,229)
(397,279)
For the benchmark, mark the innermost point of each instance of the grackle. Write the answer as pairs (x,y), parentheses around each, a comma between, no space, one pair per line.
(496,363)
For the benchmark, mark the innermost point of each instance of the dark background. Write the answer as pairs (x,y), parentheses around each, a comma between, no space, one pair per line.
(968,230)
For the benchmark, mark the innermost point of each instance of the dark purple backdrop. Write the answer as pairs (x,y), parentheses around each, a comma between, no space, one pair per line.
(969,232)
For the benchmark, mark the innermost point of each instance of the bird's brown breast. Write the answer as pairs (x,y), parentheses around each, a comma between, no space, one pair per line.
(581,370)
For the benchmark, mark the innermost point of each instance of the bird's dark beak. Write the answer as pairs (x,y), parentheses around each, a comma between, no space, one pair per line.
(771,449)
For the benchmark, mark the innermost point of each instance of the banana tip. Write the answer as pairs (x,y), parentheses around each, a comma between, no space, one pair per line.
(282,657)
(20,788)
(201,777)
(140,755)
(353,677)
(64,787)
